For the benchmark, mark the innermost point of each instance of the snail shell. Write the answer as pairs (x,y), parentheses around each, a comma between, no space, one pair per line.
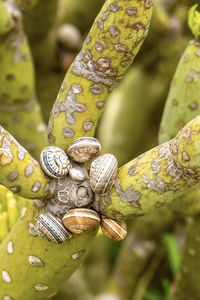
(73,193)
(78,173)
(113,229)
(102,173)
(81,219)
(51,228)
(83,149)
(54,162)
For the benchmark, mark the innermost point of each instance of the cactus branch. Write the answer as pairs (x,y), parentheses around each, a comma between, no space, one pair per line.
(183,102)
(19,171)
(44,266)
(194,21)
(156,177)
(19,111)
(111,45)
(6,19)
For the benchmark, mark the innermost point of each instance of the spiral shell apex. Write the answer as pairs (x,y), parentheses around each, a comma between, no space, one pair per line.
(113,229)
(51,228)
(102,172)
(55,162)
(83,149)
(81,220)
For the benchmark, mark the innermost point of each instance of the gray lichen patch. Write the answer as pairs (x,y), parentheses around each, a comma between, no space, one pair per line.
(84,66)
(36,186)
(70,104)
(88,125)
(29,170)
(35,261)
(130,195)
(68,132)
(12,176)
(40,287)
(78,254)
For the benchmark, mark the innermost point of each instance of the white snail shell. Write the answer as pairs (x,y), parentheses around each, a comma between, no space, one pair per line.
(52,228)
(83,149)
(114,229)
(77,172)
(54,162)
(102,172)
(81,220)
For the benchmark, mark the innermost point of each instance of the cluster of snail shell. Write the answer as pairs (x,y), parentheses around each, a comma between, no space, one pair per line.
(80,216)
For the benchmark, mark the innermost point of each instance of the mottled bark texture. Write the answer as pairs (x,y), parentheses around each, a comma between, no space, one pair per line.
(156,177)
(111,45)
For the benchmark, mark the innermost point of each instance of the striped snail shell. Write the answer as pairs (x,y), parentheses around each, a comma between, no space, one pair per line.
(102,173)
(83,149)
(54,162)
(80,220)
(51,228)
(113,229)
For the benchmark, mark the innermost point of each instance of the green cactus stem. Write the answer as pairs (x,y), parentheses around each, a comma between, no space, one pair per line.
(183,102)
(6,20)
(156,177)
(194,21)
(19,110)
(44,266)
(136,253)
(113,42)
(19,171)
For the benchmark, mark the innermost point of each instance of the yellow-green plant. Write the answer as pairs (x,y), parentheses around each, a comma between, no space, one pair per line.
(154,178)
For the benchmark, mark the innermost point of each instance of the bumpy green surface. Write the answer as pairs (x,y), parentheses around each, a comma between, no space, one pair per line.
(53,263)
(19,171)
(111,45)
(194,21)
(156,177)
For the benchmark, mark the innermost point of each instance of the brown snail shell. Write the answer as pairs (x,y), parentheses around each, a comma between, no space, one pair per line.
(51,228)
(83,149)
(103,170)
(54,162)
(80,220)
(114,229)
